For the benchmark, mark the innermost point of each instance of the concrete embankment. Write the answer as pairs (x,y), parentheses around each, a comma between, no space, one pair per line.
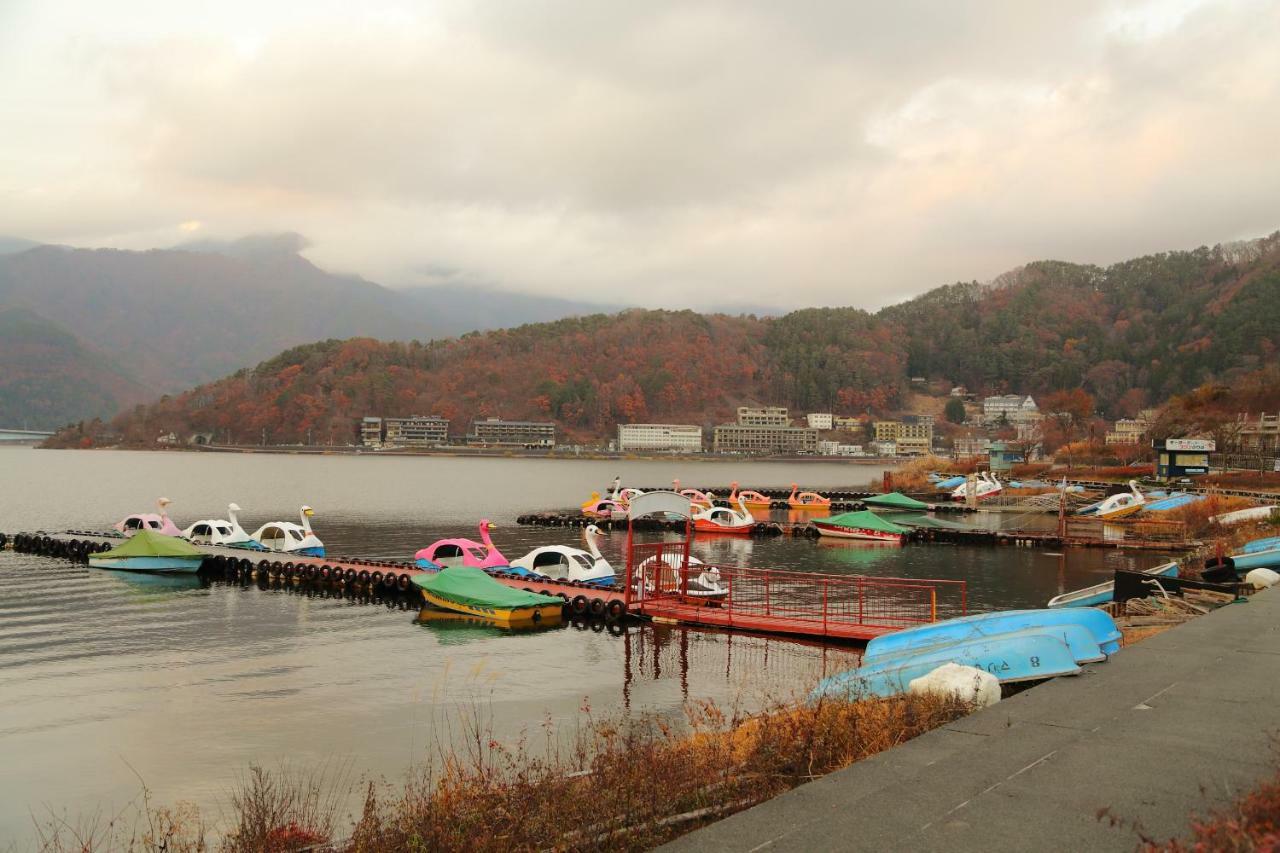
(1178,723)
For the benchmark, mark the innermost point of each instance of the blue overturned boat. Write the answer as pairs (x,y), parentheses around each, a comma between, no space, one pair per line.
(1101,593)
(1247,561)
(949,483)
(1101,638)
(1174,501)
(1033,654)
(1266,544)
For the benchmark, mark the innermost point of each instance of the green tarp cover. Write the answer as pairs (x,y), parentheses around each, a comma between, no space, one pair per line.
(897,500)
(146,543)
(468,585)
(866,520)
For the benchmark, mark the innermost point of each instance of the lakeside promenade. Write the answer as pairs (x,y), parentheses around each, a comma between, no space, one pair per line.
(1180,722)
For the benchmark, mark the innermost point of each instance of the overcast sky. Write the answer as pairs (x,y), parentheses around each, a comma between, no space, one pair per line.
(665,154)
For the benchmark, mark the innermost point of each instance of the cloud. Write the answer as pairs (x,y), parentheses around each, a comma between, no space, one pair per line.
(705,154)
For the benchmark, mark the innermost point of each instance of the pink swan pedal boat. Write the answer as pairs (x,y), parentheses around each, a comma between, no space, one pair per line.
(156,522)
(464,552)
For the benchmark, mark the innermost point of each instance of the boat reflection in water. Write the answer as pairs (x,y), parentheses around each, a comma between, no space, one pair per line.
(857,553)
(761,669)
(145,582)
(451,628)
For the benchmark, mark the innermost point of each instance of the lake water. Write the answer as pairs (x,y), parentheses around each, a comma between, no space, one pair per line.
(106,679)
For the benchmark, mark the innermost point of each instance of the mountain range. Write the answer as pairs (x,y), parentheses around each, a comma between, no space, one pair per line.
(1131,333)
(121,327)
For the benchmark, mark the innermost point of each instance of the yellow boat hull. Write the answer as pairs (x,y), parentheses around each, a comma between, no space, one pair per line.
(1123,512)
(507,617)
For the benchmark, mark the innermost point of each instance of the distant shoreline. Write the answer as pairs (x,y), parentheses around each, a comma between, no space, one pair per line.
(507,452)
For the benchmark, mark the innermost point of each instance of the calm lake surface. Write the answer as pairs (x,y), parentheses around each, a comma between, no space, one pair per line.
(106,679)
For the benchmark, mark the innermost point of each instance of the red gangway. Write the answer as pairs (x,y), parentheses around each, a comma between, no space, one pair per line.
(662,585)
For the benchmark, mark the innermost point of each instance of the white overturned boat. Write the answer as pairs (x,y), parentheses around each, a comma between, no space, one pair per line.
(1239,516)
(1101,593)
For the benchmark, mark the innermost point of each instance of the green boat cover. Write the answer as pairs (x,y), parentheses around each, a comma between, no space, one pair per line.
(864,519)
(895,500)
(469,585)
(147,543)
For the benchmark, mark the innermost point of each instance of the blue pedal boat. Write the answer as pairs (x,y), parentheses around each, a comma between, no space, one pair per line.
(1028,655)
(1094,633)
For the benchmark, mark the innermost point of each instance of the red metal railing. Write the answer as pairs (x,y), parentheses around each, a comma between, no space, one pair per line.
(658,574)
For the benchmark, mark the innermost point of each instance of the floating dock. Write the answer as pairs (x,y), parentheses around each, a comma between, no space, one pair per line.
(387,576)
(796,604)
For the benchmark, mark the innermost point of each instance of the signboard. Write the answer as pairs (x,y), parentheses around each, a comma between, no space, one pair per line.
(1201,444)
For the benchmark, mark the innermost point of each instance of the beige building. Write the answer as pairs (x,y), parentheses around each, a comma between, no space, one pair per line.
(1128,431)
(1260,434)
(417,431)
(972,446)
(911,436)
(513,433)
(772,416)
(421,431)
(739,438)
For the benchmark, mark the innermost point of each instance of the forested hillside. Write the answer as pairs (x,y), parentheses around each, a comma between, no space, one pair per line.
(168,319)
(1131,333)
(1160,324)
(48,376)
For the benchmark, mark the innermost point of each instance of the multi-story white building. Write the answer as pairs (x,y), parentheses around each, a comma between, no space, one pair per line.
(681,437)
(1012,408)
(819,420)
(828,448)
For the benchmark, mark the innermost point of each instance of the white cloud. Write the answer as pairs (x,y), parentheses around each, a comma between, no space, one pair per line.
(700,154)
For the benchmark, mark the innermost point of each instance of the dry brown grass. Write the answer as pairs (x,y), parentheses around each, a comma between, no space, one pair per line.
(614,783)
(1198,515)
(913,476)
(633,786)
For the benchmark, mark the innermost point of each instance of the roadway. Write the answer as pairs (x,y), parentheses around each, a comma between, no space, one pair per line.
(1177,723)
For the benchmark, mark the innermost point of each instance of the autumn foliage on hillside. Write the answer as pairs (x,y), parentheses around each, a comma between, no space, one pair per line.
(586,374)
(1093,342)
